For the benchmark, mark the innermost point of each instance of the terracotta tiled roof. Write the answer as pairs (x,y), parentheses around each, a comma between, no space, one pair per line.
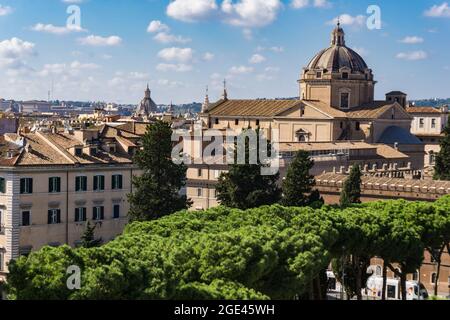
(422,110)
(368,111)
(136,128)
(388,152)
(251,108)
(41,153)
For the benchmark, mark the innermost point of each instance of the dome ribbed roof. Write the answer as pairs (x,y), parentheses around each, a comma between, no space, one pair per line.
(338,55)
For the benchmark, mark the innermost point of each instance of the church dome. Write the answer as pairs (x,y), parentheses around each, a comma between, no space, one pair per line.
(338,56)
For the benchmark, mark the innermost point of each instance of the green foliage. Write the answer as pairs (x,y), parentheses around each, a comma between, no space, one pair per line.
(299,183)
(88,237)
(156,191)
(243,186)
(269,252)
(442,166)
(351,192)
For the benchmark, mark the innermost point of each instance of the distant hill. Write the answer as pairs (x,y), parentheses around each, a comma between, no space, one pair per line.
(431,102)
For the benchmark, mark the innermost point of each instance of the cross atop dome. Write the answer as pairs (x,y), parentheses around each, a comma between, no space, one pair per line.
(338,35)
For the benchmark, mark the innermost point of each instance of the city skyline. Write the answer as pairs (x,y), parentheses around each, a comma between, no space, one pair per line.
(179,47)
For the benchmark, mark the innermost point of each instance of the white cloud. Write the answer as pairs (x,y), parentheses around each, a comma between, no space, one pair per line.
(5,10)
(247,33)
(242,13)
(208,56)
(170,83)
(439,11)
(361,51)
(412,40)
(157,26)
(240,70)
(13,53)
(49,28)
(73,1)
(273,49)
(98,41)
(300,4)
(191,10)
(257,58)
(349,20)
(165,67)
(251,13)
(412,56)
(176,54)
(163,34)
(164,37)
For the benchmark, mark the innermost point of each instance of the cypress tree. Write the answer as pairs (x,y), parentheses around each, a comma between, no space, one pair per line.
(299,183)
(157,190)
(88,238)
(243,186)
(351,192)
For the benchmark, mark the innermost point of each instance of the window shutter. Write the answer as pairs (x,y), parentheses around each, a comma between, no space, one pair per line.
(77,215)
(2,185)
(120,182)
(102,179)
(58,182)
(31,185)
(102,213)
(50,185)
(49,216)
(58,214)
(96,183)
(22,186)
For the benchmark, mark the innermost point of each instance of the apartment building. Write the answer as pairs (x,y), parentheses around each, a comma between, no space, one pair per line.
(53,181)
(428,125)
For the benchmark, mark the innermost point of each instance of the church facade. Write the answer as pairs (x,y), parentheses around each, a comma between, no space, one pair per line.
(336,118)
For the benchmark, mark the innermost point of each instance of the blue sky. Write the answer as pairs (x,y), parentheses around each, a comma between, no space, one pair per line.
(260,46)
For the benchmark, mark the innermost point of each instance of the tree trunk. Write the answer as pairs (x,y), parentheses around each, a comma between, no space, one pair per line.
(438,271)
(403,284)
(318,289)
(383,289)
(358,278)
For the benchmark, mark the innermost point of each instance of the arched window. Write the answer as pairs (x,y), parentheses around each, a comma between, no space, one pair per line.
(302,135)
(433,278)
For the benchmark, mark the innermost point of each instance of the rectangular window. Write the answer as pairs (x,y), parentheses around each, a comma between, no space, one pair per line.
(99,183)
(345,75)
(26,218)
(433,123)
(319,75)
(98,213)
(116,211)
(358,126)
(345,100)
(391,290)
(26,186)
(216,121)
(257,123)
(80,214)
(199,173)
(199,192)
(117,181)
(78,152)
(54,216)
(2,185)
(421,123)
(236,122)
(54,185)
(1,260)
(80,184)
